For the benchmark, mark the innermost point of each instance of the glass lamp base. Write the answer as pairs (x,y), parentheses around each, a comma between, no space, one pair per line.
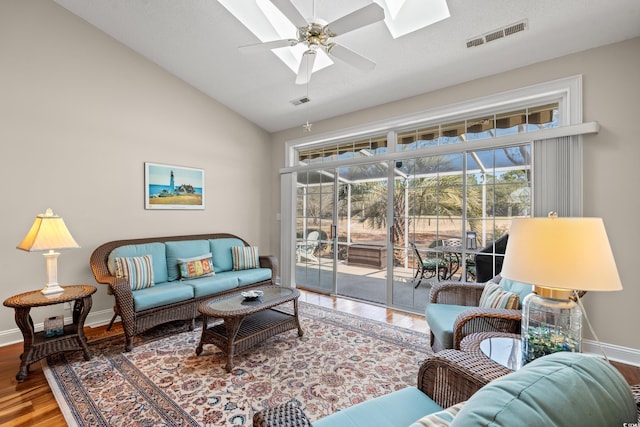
(549,325)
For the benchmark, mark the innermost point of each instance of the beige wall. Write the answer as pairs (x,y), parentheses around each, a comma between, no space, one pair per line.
(79,115)
(612,98)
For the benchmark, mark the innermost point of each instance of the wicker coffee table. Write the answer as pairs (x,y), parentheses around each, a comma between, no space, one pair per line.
(247,322)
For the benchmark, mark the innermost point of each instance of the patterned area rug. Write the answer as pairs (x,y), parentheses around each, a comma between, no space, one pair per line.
(341,360)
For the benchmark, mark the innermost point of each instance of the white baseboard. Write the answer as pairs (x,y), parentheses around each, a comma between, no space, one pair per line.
(94,319)
(629,356)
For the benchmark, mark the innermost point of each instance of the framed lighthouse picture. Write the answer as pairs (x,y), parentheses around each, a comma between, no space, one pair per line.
(173,187)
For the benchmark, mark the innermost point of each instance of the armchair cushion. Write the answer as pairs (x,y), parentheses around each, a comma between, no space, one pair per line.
(522,289)
(494,296)
(561,389)
(441,318)
(400,408)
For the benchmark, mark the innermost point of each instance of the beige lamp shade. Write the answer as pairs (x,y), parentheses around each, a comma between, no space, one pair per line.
(47,232)
(563,253)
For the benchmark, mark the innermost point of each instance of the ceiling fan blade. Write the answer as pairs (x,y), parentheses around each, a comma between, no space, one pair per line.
(306,67)
(350,57)
(260,47)
(356,19)
(289,10)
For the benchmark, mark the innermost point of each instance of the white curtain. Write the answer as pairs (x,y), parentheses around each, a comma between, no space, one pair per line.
(557,177)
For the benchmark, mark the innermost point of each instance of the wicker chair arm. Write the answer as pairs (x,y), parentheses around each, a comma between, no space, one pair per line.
(270,261)
(452,376)
(478,319)
(285,415)
(456,293)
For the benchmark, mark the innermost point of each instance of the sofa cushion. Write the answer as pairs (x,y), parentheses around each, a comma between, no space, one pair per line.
(137,270)
(161,294)
(158,258)
(561,389)
(494,296)
(221,249)
(255,275)
(245,257)
(440,318)
(199,266)
(442,418)
(399,408)
(522,289)
(220,282)
(183,249)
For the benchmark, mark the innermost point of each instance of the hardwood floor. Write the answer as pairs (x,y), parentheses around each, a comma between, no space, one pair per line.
(31,403)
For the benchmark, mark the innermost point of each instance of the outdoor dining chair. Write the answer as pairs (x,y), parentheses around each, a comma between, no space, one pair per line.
(429,267)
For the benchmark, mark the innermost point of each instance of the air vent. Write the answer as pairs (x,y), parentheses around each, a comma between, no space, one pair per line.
(301,101)
(475,42)
(498,34)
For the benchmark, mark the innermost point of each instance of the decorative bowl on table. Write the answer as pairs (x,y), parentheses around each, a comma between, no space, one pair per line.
(252,295)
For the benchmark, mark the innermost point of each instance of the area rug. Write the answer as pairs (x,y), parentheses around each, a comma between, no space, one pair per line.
(340,361)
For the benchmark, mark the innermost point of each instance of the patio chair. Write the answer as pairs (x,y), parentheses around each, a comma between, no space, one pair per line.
(488,265)
(307,248)
(429,267)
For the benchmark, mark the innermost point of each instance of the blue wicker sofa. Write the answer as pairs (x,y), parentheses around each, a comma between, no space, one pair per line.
(561,390)
(165,278)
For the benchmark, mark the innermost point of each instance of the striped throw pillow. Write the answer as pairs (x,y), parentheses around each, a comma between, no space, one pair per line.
(195,267)
(442,418)
(245,257)
(494,296)
(137,270)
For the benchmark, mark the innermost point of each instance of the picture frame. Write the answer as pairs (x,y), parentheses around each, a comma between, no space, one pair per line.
(173,187)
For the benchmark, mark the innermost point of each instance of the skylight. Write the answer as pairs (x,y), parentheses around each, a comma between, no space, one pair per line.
(267,23)
(406,16)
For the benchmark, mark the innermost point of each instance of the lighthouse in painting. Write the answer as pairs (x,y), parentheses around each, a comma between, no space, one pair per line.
(171,184)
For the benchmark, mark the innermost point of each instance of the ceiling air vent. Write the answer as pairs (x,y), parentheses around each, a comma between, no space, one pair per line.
(497,34)
(301,101)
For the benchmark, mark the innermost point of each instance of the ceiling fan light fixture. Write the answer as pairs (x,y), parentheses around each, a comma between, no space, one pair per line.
(314,35)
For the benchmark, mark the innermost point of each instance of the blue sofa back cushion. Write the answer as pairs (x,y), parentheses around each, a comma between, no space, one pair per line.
(158,258)
(221,250)
(183,249)
(561,389)
(522,289)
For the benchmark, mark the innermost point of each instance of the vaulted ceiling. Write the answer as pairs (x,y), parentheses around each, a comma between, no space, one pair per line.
(198,40)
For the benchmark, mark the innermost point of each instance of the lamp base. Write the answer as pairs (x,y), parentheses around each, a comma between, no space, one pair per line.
(52,289)
(549,325)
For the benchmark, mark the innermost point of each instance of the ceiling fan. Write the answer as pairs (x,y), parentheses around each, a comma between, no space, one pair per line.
(316,34)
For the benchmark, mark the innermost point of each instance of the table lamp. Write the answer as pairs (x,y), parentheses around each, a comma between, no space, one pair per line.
(47,233)
(558,256)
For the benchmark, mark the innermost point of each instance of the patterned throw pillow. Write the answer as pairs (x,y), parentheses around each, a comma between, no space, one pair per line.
(137,270)
(494,296)
(199,266)
(442,418)
(245,257)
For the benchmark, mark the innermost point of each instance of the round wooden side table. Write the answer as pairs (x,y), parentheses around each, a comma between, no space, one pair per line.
(36,345)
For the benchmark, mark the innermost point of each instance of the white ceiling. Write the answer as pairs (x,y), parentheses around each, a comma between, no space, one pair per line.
(197,40)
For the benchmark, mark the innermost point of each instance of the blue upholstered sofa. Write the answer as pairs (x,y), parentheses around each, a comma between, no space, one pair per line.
(562,389)
(164,278)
